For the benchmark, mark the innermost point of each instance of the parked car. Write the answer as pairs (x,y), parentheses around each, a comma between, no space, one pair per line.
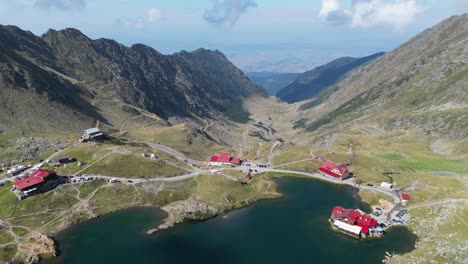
(129,181)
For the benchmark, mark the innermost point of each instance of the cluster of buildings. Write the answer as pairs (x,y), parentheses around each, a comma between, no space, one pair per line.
(224,158)
(354,222)
(39,180)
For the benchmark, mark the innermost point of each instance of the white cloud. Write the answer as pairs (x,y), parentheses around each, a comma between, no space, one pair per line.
(60,4)
(153,15)
(227,12)
(369,13)
(461,5)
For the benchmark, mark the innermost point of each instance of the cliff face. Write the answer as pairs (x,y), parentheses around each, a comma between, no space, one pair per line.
(420,85)
(67,70)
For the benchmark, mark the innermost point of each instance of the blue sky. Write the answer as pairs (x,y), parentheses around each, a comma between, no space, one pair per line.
(294,35)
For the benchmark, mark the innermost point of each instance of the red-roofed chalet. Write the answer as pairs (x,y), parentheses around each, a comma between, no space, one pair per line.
(224,158)
(35,179)
(334,170)
(353,217)
(405,197)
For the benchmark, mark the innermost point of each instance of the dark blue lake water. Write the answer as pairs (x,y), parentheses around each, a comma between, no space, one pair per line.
(293,229)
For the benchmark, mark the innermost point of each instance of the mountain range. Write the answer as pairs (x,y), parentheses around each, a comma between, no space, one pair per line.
(421,86)
(65,80)
(273,82)
(312,82)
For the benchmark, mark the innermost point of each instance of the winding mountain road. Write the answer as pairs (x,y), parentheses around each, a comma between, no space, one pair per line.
(196,172)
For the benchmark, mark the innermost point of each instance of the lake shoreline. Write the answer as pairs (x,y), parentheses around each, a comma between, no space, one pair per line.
(279,180)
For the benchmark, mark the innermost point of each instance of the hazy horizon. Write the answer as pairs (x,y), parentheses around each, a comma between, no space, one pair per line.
(258,35)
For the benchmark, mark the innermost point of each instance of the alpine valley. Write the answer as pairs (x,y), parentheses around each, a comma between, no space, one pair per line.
(399,117)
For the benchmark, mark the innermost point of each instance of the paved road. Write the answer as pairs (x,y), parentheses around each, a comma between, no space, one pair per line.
(393,194)
(174,153)
(179,156)
(140,180)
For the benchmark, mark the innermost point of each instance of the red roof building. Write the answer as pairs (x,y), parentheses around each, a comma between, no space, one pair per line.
(235,161)
(334,170)
(405,197)
(365,220)
(338,211)
(353,217)
(36,178)
(225,158)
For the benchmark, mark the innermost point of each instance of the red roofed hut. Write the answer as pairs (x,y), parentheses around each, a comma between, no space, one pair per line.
(405,197)
(334,170)
(35,179)
(224,158)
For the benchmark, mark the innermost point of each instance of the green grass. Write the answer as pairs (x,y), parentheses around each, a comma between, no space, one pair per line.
(310,166)
(283,174)
(6,237)
(220,190)
(7,252)
(131,166)
(88,187)
(182,138)
(236,112)
(434,163)
(87,152)
(391,156)
(7,201)
(20,231)
(372,198)
(292,154)
(176,191)
(8,140)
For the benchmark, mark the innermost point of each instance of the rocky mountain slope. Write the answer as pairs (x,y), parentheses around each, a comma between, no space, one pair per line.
(66,80)
(273,82)
(421,85)
(314,81)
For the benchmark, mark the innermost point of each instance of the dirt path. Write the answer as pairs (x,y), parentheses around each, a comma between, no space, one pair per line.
(293,162)
(121,129)
(87,167)
(445,201)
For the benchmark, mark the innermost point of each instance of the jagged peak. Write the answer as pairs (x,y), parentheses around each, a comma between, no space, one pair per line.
(72,33)
(139,47)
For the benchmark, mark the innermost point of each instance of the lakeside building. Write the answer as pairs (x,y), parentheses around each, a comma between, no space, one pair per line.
(224,158)
(38,181)
(354,222)
(336,171)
